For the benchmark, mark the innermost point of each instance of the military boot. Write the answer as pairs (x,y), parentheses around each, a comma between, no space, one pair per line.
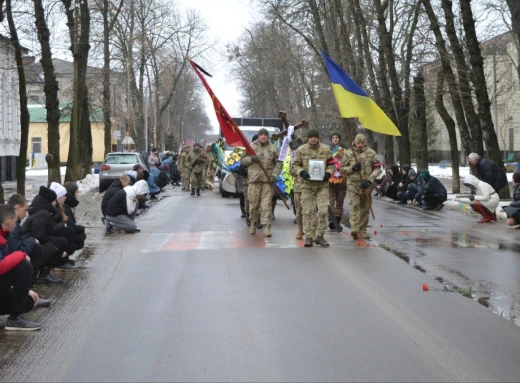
(299,234)
(354,234)
(308,242)
(339,223)
(252,229)
(365,235)
(322,242)
(267,231)
(248,221)
(198,192)
(192,191)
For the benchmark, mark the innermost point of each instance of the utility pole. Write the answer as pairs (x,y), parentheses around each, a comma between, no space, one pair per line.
(75,114)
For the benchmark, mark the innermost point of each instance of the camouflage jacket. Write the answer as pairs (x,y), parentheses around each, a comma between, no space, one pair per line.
(184,161)
(197,160)
(268,154)
(370,168)
(301,162)
(210,165)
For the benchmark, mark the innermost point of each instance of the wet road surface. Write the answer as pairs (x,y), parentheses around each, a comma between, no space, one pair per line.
(194,297)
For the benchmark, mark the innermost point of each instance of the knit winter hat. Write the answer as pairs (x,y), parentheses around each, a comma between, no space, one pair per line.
(47,194)
(263,131)
(313,132)
(58,189)
(335,133)
(360,138)
(425,174)
(411,173)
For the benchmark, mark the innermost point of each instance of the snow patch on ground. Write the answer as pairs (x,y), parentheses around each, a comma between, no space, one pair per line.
(438,172)
(90,182)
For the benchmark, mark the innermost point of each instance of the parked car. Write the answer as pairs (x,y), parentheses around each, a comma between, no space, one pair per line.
(115,165)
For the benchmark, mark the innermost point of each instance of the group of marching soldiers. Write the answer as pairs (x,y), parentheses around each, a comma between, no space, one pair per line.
(197,168)
(352,169)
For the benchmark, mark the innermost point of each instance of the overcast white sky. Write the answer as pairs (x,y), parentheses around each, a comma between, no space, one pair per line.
(227,20)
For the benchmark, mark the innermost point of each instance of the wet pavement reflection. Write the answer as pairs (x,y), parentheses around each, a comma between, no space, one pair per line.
(482,261)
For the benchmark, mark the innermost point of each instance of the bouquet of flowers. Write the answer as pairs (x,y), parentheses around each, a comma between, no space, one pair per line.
(217,151)
(337,176)
(285,181)
(233,164)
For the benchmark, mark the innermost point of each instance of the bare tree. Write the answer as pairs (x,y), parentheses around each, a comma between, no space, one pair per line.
(51,95)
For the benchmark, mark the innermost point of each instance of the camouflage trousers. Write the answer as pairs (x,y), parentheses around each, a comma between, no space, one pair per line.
(260,195)
(337,196)
(246,198)
(310,199)
(210,178)
(185,180)
(299,213)
(196,180)
(358,211)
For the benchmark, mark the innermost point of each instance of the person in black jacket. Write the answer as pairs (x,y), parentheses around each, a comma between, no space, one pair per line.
(488,171)
(63,228)
(513,210)
(434,192)
(405,191)
(111,191)
(121,208)
(41,226)
(15,240)
(71,201)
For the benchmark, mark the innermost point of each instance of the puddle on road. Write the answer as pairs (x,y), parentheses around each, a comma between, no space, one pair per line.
(507,305)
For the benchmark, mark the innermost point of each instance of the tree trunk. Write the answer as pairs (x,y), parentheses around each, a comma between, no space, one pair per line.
(402,115)
(107,104)
(514,7)
(51,95)
(84,137)
(479,80)
(25,118)
(463,75)
(452,133)
(449,77)
(317,24)
(420,122)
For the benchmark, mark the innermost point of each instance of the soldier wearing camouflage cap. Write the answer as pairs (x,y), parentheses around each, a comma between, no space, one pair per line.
(314,191)
(362,167)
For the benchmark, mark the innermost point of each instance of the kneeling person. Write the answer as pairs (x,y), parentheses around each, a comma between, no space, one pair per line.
(122,207)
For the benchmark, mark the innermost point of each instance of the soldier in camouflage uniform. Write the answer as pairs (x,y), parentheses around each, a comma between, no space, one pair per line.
(361,173)
(184,167)
(197,161)
(337,191)
(246,188)
(260,187)
(313,192)
(210,169)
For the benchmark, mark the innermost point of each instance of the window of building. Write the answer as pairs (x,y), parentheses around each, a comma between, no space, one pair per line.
(36,144)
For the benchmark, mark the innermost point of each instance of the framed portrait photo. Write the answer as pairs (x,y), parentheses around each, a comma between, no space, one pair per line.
(317,170)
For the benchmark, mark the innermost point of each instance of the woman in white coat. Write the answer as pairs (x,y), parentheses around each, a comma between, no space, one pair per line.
(484,199)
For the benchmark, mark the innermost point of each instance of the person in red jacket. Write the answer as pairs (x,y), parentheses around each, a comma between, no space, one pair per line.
(15,274)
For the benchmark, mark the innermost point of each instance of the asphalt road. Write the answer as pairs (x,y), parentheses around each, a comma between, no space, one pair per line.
(194,297)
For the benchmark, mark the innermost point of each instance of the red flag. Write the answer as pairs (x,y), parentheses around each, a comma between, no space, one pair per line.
(228,127)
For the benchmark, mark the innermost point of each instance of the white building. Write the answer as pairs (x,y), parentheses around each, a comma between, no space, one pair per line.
(10,131)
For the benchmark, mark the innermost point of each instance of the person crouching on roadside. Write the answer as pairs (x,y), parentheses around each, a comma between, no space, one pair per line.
(122,207)
(484,199)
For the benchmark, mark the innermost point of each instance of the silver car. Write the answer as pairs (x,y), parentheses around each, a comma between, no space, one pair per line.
(115,165)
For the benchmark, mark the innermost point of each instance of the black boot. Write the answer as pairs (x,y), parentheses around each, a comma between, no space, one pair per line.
(322,242)
(308,242)
(339,223)
(198,192)
(248,221)
(192,191)
(45,278)
(243,214)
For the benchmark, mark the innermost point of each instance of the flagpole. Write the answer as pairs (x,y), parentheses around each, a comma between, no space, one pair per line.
(367,194)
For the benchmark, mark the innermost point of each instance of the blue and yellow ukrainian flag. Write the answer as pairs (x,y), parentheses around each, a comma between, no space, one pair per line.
(354,102)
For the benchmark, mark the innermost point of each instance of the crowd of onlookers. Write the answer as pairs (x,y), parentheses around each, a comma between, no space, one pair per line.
(37,239)
(126,195)
(31,250)
(405,185)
